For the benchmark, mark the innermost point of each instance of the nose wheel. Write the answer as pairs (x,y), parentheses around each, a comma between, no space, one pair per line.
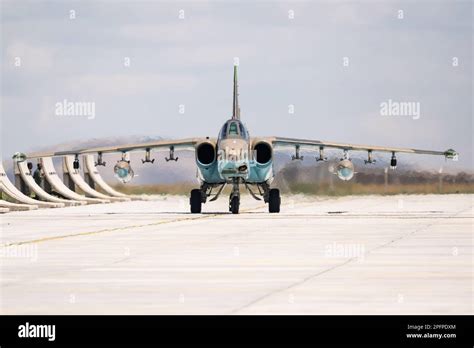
(234,199)
(234,204)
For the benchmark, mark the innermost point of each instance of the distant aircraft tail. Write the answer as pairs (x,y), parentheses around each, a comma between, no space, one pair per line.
(236,108)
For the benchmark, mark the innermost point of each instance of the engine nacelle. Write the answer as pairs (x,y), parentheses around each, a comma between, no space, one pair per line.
(123,171)
(206,153)
(345,170)
(262,152)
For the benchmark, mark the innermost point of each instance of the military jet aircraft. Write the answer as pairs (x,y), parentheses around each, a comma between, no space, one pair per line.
(236,158)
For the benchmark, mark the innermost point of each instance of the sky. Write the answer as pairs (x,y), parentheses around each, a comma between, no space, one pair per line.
(160,68)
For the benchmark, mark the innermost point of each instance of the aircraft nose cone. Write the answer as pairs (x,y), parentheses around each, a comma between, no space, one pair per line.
(232,155)
(233,164)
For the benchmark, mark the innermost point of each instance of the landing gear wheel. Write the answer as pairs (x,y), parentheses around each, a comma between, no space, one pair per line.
(234,204)
(274,201)
(195,201)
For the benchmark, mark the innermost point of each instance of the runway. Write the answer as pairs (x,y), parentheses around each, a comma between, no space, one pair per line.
(349,255)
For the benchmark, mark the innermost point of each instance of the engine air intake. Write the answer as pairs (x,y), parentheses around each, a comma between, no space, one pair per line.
(262,153)
(206,153)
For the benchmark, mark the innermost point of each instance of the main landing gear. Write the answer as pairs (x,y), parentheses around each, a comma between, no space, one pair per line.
(274,201)
(195,201)
(199,196)
(270,196)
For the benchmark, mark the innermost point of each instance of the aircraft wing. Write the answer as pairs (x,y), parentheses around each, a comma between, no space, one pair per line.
(317,144)
(180,144)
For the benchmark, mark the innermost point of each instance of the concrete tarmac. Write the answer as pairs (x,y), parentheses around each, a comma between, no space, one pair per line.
(350,255)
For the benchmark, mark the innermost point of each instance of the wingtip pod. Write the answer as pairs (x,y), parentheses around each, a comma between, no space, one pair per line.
(451,154)
(19,157)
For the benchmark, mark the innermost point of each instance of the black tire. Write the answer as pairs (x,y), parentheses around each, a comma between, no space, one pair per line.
(234,204)
(195,201)
(274,201)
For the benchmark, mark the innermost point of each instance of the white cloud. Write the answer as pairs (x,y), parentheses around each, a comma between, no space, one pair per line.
(175,32)
(127,84)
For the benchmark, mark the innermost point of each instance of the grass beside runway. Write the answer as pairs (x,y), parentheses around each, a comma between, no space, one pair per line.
(354,188)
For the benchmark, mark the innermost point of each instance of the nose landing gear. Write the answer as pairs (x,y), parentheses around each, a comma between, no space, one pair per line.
(234,199)
(234,203)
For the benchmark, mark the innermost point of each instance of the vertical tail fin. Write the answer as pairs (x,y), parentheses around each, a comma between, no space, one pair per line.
(236,107)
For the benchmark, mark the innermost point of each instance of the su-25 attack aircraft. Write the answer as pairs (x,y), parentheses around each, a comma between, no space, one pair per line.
(237,159)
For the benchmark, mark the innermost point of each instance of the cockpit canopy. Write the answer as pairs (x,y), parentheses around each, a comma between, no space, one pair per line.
(233,129)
